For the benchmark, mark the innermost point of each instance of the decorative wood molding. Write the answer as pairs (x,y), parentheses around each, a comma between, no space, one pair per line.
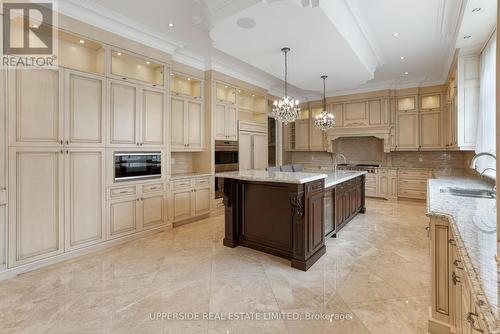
(297,203)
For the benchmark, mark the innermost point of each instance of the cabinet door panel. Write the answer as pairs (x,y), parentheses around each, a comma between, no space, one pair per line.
(259,151)
(430,130)
(245,151)
(182,205)
(201,201)
(302,135)
(195,124)
(153,211)
(36,189)
(407,131)
(220,122)
(153,112)
(85,108)
(123,113)
(3,235)
(122,217)
(84,198)
(178,129)
(232,123)
(35,107)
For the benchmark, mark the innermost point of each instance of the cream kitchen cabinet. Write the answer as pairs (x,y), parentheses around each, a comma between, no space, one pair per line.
(57,198)
(3,235)
(453,305)
(36,204)
(252,146)
(407,135)
(431,130)
(136,115)
(413,183)
(191,198)
(187,124)
(226,122)
(317,138)
(84,105)
(55,108)
(135,208)
(387,183)
(84,197)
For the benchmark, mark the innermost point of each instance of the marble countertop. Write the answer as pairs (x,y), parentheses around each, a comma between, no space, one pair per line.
(473,223)
(279,177)
(341,176)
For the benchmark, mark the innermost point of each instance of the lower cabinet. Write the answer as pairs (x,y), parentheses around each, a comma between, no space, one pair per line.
(453,306)
(413,183)
(348,201)
(191,198)
(3,236)
(137,209)
(387,186)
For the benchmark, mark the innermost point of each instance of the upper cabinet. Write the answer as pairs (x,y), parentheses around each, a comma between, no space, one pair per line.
(136,115)
(188,123)
(80,53)
(252,107)
(128,66)
(181,85)
(225,122)
(407,103)
(225,93)
(430,102)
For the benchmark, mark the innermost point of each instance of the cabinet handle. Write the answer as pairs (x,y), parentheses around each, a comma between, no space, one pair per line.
(154,188)
(451,242)
(137,200)
(61,141)
(61,151)
(67,142)
(124,78)
(67,151)
(123,192)
(456,262)
(456,279)
(472,322)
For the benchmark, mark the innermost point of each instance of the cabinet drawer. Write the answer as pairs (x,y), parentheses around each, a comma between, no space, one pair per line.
(182,184)
(413,184)
(417,194)
(154,187)
(202,182)
(122,191)
(414,174)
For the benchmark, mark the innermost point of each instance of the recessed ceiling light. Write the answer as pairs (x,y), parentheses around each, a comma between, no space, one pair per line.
(148,62)
(225,86)
(477,9)
(402,57)
(34,26)
(171,25)
(171,74)
(406,73)
(119,53)
(253,95)
(246,23)
(189,79)
(467,36)
(395,34)
(82,41)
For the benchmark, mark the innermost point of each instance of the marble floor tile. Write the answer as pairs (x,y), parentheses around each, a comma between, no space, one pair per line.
(374,278)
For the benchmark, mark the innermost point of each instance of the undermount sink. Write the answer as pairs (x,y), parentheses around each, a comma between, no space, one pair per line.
(476,193)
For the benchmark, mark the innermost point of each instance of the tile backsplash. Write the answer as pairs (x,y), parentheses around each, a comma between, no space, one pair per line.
(182,163)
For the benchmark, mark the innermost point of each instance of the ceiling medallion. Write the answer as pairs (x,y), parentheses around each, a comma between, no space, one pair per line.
(324,120)
(286,110)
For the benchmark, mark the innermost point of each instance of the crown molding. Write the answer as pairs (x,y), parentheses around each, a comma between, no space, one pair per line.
(103,18)
(190,59)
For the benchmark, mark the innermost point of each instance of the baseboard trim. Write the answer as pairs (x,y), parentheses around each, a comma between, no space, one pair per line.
(15,271)
(438,327)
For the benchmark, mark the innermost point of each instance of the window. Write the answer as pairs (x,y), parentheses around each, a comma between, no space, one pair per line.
(486,140)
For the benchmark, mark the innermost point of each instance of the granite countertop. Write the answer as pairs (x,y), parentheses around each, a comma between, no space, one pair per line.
(473,224)
(279,177)
(341,176)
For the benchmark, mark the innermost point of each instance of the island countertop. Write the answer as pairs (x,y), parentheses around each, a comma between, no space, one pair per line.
(341,176)
(279,177)
(473,223)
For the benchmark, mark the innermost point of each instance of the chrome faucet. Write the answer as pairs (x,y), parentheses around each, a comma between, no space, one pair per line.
(473,161)
(335,162)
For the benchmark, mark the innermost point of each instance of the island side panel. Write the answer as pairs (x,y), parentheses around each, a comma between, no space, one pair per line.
(363,197)
(309,230)
(231,206)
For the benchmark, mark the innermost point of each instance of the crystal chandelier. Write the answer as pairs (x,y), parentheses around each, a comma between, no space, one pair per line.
(287,109)
(324,120)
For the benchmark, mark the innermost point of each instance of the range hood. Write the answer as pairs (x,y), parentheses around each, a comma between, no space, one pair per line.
(381,132)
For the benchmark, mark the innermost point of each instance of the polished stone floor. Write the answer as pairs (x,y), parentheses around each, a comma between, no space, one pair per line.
(376,275)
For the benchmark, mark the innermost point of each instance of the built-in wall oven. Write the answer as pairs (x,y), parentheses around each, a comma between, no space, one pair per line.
(226,160)
(131,166)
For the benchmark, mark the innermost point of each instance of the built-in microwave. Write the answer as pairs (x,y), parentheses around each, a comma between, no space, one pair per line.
(130,166)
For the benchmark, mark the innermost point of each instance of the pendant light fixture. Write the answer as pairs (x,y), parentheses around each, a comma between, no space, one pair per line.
(286,110)
(324,120)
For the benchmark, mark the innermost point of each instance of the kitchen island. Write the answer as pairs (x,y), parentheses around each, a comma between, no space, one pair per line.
(283,213)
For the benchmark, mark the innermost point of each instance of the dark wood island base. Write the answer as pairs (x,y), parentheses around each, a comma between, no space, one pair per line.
(283,219)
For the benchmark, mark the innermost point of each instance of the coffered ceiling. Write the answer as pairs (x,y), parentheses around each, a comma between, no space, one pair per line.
(361,44)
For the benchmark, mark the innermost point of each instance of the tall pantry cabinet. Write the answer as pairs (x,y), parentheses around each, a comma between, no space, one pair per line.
(56,162)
